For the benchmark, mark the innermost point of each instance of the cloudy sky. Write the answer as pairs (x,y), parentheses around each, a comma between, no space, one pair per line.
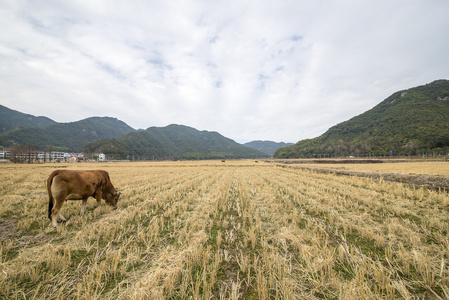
(251,70)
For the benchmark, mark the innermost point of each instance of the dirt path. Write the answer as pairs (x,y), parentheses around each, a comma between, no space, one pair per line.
(431,182)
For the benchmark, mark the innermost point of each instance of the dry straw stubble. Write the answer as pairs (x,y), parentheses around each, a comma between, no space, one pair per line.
(230,230)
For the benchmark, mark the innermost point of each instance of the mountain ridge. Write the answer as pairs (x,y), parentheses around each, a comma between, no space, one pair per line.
(406,123)
(117,139)
(267,147)
(70,136)
(172,142)
(11,119)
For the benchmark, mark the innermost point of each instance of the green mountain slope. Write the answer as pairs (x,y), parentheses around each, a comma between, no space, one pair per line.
(267,147)
(409,122)
(70,136)
(12,119)
(172,142)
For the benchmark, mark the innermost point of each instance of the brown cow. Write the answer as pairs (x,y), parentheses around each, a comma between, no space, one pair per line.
(78,185)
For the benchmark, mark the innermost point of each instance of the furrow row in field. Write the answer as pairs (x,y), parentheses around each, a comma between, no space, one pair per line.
(390,247)
(101,236)
(176,261)
(367,208)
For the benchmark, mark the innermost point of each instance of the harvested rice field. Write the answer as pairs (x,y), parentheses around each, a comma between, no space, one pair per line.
(225,230)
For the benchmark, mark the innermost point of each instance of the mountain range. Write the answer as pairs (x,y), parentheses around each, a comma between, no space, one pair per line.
(409,122)
(172,142)
(267,147)
(63,136)
(116,139)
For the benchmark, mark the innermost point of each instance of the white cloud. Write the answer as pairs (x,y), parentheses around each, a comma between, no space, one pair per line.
(272,70)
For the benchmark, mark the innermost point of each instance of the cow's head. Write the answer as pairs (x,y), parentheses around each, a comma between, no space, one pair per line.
(112,198)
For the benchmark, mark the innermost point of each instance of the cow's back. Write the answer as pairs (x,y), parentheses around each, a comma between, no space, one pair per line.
(67,182)
(95,179)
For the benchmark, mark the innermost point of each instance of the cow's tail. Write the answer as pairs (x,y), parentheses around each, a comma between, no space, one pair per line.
(48,183)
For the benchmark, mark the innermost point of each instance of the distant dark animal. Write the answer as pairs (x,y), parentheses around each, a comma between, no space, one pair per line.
(65,185)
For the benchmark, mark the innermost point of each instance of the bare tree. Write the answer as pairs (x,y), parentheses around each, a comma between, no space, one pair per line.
(22,154)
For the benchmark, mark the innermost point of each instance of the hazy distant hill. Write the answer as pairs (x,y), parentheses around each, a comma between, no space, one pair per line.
(70,136)
(172,142)
(267,147)
(11,119)
(409,122)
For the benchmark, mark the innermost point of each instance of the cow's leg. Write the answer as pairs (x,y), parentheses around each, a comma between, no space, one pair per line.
(55,212)
(98,197)
(83,205)
(62,217)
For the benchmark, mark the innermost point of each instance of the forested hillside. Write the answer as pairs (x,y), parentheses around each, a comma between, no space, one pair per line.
(66,136)
(172,142)
(267,147)
(11,119)
(409,122)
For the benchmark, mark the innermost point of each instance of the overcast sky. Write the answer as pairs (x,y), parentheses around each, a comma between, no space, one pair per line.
(250,70)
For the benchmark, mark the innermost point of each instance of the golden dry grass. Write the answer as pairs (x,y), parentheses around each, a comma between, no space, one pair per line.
(224,230)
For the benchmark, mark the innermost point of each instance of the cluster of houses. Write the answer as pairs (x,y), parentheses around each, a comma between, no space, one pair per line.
(54,156)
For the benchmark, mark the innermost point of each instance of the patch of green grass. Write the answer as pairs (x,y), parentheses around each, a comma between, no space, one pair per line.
(302,224)
(250,294)
(213,233)
(367,246)
(111,282)
(8,214)
(77,256)
(137,265)
(34,226)
(413,219)
(431,240)
(324,296)
(10,255)
(344,270)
